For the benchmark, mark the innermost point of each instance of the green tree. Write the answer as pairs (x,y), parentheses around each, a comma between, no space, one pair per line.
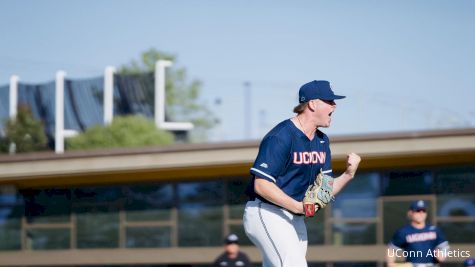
(24,133)
(182,95)
(126,131)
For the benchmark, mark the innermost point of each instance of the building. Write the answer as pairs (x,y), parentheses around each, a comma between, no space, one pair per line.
(162,206)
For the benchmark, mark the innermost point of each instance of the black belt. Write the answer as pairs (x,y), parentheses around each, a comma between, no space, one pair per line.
(253,198)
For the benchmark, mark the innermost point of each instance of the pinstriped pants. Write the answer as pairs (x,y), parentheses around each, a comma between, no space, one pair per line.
(280,235)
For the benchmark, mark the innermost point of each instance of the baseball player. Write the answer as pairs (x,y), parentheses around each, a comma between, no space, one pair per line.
(232,257)
(422,244)
(292,177)
(470,262)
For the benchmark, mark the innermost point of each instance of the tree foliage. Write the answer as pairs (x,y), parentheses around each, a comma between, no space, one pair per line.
(126,131)
(24,133)
(183,102)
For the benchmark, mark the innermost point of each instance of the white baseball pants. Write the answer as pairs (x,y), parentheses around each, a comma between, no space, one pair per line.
(280,235)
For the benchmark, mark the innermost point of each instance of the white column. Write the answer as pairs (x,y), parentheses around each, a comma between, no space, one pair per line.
(109,95)
(13,96)
(160,98)
(59,112)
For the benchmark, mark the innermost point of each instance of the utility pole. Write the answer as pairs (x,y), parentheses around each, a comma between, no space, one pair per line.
(247,111)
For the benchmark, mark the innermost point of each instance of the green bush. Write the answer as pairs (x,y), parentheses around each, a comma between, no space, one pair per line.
(126,131)
(24,133)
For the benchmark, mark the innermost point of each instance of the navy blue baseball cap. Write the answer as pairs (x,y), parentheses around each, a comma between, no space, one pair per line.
(469,262)
(231,239)
(418,205)
(317,90)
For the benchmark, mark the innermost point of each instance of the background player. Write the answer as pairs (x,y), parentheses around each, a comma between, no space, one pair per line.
(470,262)
(232,257)
(424,243)
(290,157)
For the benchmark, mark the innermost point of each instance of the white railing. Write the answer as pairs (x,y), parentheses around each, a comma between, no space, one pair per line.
(61,133)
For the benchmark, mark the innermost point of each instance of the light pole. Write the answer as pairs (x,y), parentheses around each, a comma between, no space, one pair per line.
(247,110)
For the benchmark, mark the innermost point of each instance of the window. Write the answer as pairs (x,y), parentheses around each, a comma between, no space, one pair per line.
(413,182)
(97,216)
(316,229)
(354,233)
(354,213)
(455,180)
(148,202)
(200,213)
(359,197)
(149,216)
(47,213)
(148,237)
(39,239)
(236,197)
(11,212)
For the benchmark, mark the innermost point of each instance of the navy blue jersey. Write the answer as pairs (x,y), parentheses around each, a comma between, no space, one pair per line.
(419,243)
(288,158)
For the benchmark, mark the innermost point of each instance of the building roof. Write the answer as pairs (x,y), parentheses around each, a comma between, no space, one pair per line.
(192,161)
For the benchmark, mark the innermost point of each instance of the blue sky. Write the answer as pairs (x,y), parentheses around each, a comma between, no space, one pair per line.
(404,65)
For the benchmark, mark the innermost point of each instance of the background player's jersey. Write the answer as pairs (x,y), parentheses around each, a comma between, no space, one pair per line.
(290,160)
(420,243)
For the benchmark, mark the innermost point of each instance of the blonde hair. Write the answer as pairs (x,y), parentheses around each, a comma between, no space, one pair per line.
(300,108)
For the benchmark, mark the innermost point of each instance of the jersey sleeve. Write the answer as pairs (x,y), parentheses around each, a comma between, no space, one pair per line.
(441,242)
(398,241)
(272,158)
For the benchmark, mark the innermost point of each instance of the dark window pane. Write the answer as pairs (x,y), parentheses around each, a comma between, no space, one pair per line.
(97,229)
(200,214)
(236,211)
(150,202)
(407,183)
(354,234)
(460,180)
(148,215)
(458,232)
(10,228)
(455,205)
(236,197)
(315,229)
(200,226)
(111,195)
(239,231)
(200,194)
(41,239)
(148,237)
(359,198)
(47,205)
(97,213)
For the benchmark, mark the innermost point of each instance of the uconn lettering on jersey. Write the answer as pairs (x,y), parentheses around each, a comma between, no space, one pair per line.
(311,157)
(421,237)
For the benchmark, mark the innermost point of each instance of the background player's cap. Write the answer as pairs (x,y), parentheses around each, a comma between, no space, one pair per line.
(469,262)
(231,239)
(317,90)
(418,205)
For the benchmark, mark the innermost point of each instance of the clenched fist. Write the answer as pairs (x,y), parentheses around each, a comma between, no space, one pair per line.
(352,162)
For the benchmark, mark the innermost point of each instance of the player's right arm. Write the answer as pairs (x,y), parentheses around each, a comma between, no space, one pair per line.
(271,161)
(271,192)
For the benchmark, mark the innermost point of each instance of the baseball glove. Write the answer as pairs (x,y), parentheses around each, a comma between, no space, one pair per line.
(318,194)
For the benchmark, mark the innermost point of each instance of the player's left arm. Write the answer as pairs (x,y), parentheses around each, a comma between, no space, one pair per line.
(352,162)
